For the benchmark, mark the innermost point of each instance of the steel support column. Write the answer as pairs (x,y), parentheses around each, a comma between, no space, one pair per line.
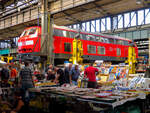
(50,56)
(136,18)
(44,25)
(111,24)
(47,32)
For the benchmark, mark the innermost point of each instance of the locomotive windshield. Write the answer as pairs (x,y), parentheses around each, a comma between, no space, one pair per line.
(32,31)
(27,32)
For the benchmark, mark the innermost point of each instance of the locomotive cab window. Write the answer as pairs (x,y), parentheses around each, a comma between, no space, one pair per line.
(118,52)
(24,33)
(101,50)
(91,49)
(32,31)
(67,47)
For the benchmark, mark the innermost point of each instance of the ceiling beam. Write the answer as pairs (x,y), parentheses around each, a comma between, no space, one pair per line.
(71,18)
(101,10)
(85,9)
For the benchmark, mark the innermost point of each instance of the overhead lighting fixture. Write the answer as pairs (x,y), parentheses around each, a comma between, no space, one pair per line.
(138,2)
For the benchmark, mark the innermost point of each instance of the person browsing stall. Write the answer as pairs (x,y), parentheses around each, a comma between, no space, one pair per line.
(51,75)
(74,75)
(59,76)
(49,67)
(90,73)
(66,73)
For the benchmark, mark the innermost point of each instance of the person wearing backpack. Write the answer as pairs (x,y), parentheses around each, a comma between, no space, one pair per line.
(26,81)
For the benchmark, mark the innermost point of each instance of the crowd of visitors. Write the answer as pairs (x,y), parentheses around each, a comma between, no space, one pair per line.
(25,78)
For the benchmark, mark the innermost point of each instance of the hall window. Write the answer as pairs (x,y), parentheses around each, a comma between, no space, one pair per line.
(67,47)
(91,49)
(101,50)
(118,52)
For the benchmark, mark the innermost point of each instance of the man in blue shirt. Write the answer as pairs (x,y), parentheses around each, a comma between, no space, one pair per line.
(74,75)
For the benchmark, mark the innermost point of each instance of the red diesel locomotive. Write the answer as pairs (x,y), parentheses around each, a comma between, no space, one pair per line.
(96,46)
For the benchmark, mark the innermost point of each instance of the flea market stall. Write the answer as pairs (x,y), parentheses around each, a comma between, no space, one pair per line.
(129,93)
(73,99)
(117,92)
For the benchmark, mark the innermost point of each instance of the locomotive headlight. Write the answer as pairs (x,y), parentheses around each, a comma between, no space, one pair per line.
(29,42)
(20,44)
